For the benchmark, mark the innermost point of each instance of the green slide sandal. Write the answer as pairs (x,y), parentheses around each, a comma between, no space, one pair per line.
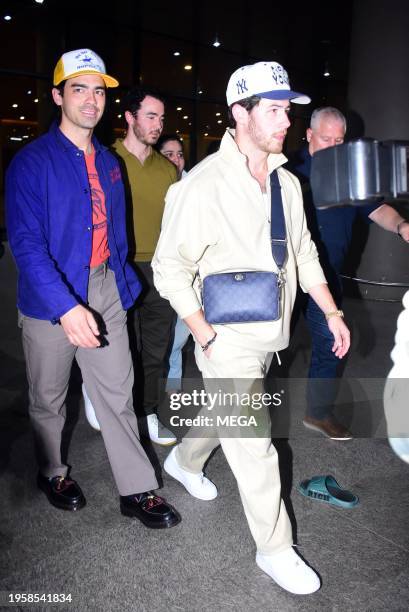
(326,489)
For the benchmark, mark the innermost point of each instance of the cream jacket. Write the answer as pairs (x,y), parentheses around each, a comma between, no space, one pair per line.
(217,220)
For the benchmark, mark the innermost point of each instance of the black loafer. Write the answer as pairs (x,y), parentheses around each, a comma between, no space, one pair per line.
(62,492)
(151,510)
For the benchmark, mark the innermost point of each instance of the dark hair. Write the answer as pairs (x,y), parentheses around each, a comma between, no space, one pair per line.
(135,96)
(166,138)
(60,87)
(247,103)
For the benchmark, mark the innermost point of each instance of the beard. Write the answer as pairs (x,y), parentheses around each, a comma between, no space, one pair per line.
(268,143)
(146,137)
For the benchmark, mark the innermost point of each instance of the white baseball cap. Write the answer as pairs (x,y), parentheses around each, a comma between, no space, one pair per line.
(264,79)
(81,61)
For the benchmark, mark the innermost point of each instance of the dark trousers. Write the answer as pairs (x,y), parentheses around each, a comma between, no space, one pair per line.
(325,368)
(154,320)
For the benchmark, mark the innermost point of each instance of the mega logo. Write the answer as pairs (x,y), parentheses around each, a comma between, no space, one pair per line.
(279,75)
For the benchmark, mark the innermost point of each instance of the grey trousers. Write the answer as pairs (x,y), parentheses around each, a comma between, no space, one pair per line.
(108,376)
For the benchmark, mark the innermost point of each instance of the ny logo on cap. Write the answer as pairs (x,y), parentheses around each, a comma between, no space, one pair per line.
(241,86)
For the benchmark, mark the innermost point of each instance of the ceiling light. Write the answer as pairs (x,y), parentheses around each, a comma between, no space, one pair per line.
(16,138)
(177,131)
(26,136)
(176,53)
(216,42)
(178,108)
(218,114)
(14,105)
(22,117)
(39,1)
(188,67)
(35,100)
(29,92)
(326,73)
(119,116)
(200,91)
(206,134)
(185,116)
(220,121)
(117,100)
(7,17)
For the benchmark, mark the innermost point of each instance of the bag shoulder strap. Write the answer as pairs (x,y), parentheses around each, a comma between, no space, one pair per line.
(277,223)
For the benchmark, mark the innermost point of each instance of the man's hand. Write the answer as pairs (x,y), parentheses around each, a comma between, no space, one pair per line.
(202,331)
(80,327)
(342,337)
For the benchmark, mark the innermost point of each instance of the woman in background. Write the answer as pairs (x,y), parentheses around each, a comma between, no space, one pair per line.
(171,147)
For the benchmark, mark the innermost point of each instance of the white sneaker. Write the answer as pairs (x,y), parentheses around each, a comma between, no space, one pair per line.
(158,433)
(196,484)
(289,571)
(89,410)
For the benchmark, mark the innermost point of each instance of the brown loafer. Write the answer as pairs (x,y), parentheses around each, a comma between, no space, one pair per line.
(329,427)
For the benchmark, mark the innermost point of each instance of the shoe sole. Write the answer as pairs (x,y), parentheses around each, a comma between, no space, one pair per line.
(151,524)
(166,468)
(61,506)
(282,585)
(315,428)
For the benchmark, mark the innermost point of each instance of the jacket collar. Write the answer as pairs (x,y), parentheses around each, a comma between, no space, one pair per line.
(123,152)
(66,144)
(230,151)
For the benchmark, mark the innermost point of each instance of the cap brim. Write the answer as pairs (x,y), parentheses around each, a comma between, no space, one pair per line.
(108,80)
(285,94)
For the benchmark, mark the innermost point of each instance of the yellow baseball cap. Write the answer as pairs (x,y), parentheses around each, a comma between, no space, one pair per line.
(81,61)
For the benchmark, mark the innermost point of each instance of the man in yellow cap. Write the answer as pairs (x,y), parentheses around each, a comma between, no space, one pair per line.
(66,226)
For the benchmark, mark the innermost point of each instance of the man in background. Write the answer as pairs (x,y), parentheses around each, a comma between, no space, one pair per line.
(331,230)
(149,175)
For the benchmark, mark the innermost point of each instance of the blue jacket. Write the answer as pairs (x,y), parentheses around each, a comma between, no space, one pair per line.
(49,225)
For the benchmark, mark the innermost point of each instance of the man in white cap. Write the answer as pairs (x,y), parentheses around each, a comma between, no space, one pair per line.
(66,228)
(218,219)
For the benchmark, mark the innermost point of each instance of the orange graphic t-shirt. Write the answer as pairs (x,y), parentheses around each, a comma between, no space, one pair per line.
(100,249)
